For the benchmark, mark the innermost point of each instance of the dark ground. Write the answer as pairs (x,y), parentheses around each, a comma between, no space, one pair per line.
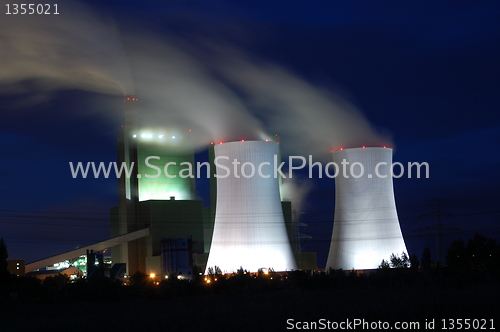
(245,312)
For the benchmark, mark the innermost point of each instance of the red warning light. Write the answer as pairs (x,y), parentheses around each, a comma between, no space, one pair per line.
(267,140)
(243,140)
(212,143)
(190,129)
(385,146)
(341,149)
(363,146)
(276,135)
(220,142)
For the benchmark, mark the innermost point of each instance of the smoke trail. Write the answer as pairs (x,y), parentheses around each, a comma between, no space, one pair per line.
(310,120)
(72,50)
(221,95)
(176,89)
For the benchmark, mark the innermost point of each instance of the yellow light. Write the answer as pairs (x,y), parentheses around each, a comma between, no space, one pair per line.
(152,275)
(208,281)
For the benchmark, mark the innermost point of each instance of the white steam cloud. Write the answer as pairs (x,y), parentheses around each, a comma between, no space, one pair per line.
(219,94)
(72,50)
(310,120)
(295,190)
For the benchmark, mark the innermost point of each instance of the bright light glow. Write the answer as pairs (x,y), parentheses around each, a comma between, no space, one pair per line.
(249,229)
(152,275)
(154,187)
(166,277)
(134,136)
(173,136)
(366,227)
(161,136)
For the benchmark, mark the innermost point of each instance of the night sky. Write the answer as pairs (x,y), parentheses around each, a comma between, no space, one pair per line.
(424,76)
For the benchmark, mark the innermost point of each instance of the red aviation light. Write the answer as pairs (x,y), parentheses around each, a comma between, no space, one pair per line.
(363,146)
(385,147)
(190,129)
(220,142)
(341,149)
(243,140)
(267,140)
(212,143)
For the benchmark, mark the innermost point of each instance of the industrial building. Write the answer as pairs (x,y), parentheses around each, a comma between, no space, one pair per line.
(366,227)
(148,198)
(160,228)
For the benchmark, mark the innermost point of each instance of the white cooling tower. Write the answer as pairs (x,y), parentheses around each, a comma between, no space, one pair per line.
(249,229)
(366,227)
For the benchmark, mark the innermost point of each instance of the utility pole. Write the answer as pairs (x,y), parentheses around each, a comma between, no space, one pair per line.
(439,232)
(438,228)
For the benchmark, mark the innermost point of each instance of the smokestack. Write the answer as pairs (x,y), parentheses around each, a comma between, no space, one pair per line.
(130,111)
(366,228)
(249,229)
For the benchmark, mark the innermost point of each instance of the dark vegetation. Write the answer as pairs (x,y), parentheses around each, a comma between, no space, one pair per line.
(402,289)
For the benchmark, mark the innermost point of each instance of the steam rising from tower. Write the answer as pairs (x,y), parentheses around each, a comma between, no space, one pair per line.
(366,228)
(249,228)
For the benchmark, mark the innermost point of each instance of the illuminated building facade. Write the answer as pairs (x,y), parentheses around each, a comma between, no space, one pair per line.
(366,228)
(249,229)
(150,198)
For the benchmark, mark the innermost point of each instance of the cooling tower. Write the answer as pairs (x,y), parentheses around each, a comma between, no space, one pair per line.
(366,227)
(249,229)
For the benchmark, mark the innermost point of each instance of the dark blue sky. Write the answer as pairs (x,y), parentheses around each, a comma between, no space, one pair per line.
(425,73)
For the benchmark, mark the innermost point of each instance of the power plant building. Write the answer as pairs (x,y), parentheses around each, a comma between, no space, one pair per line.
(366,227)
(148,198)
(246,225)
